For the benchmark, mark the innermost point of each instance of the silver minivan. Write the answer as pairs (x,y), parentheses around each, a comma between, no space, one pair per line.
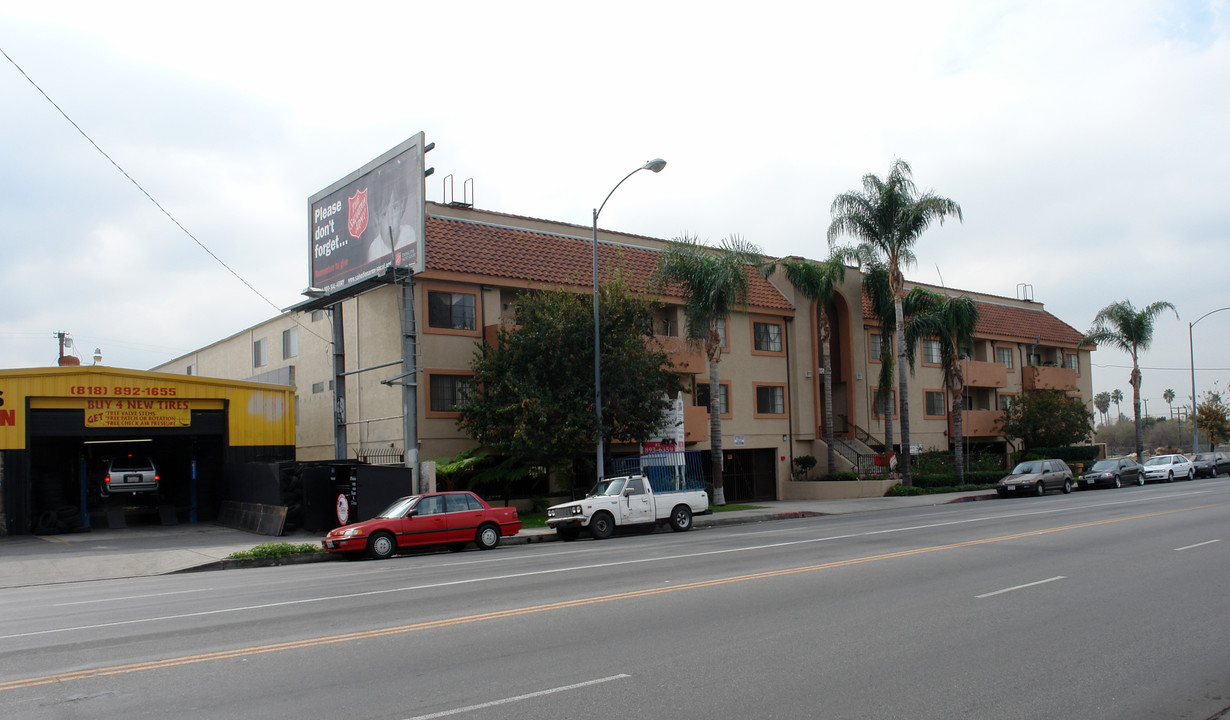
(130,474)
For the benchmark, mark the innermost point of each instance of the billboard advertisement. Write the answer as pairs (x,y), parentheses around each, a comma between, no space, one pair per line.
(369,220)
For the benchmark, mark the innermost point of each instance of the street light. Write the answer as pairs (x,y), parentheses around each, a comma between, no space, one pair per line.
(655,165)
(1191,353)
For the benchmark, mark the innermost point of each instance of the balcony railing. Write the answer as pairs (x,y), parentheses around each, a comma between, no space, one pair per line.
(986,374)
(1038,377)
(978,423)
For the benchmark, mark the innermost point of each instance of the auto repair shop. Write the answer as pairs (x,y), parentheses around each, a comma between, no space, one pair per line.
(65,431)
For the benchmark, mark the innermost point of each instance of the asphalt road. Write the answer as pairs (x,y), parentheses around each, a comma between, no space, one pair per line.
(1106,604)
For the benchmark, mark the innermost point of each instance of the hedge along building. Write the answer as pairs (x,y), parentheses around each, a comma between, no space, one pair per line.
(478,262)
(61,426)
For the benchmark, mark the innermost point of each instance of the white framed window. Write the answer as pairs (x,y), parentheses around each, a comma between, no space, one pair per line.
(1003,356)
(451,310)
(290,343)
(446,391)
(767,336)
(934,403)
(770,400)
(931,351)
(260,352)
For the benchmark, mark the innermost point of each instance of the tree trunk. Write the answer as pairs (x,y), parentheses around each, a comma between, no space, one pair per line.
(886,351)
(828,387)
(958,399)
(1140,433)
(715,434)
(904,399)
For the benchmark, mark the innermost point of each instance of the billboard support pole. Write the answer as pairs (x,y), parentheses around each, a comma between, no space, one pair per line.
(409,389)
(339,382)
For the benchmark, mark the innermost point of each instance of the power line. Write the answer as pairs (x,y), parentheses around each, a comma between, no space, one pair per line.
(1184,369)
(151,197)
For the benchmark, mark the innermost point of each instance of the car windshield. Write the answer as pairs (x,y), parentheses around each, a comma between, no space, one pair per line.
(1027,468)
(608,487)
(399,508)
(1159,460)
(1203,456)
(1104,465)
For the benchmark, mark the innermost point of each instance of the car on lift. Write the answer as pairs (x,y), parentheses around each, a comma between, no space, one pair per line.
(451,519)
(130,474)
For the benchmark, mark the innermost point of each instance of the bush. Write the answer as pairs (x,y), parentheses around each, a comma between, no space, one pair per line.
(944,461)
(949,480)
(276,550)
(900,490)
(1070,454)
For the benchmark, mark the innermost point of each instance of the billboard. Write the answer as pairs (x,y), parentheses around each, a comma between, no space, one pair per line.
(368,221)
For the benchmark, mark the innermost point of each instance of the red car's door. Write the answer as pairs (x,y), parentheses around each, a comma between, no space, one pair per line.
(465,513)
(426,524)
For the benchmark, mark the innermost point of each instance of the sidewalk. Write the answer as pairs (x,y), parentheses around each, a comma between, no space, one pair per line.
(156,550)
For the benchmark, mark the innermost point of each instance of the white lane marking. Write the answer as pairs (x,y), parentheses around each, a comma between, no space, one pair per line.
(518,698)
(1189,547)
(514,576)
(131,597)
(1020,587)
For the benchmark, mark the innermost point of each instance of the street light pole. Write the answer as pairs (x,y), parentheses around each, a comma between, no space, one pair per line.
(656,166)
(1191,354)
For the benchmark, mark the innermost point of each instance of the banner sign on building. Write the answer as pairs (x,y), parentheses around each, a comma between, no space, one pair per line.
(138,413)
(369,221)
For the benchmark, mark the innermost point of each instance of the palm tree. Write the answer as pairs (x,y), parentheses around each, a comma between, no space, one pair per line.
(1169,396)
(951,322)
(712,284)
(1101,401)
(1116,396)
(876,287)
(1122,326)
(886,218)
(818,281)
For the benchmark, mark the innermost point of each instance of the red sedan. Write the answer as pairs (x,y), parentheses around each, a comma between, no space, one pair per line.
(452,519)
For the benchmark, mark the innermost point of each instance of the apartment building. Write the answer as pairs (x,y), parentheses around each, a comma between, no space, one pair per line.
(477,262)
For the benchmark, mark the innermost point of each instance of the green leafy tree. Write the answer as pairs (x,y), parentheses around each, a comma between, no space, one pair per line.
(712,283)
(1046,418)
(533,391)
(1102,402)
(818,281)
(950,321)
(1116,396)
(1212,417)
(886,218)
(1122,326)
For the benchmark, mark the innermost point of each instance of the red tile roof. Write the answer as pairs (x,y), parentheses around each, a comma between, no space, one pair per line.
(496,251)
(1016,322)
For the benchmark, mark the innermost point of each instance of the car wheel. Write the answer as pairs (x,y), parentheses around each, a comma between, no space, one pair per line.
(681,518)
(456,547)
(1040,488)
(1067,486)
(1140,480)
(601,526)
(1213,472)
(568,534)
(1170,476)
(1117,482)
(381,545)
(1191,475)
(487,537)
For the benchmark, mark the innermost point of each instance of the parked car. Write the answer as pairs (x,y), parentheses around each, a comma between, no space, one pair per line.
(130,474)
(1037,476)
(1115,472)
(1168,467)
(1211,464)
(452,519)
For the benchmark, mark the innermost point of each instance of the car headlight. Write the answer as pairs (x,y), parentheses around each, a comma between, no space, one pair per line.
(550,512)
(352,532)
(576,510)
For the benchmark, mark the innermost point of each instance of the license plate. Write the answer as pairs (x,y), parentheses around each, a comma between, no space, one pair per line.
(132,478)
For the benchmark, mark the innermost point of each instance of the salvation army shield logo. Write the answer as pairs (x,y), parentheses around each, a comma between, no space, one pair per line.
(343,509)
(357,222)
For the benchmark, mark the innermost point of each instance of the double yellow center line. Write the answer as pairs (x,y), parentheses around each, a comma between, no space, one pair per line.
(549,607)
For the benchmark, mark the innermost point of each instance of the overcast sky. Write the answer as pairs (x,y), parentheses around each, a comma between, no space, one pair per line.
(1086,142)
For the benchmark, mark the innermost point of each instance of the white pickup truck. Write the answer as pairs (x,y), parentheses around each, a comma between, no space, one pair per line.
(631,500)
